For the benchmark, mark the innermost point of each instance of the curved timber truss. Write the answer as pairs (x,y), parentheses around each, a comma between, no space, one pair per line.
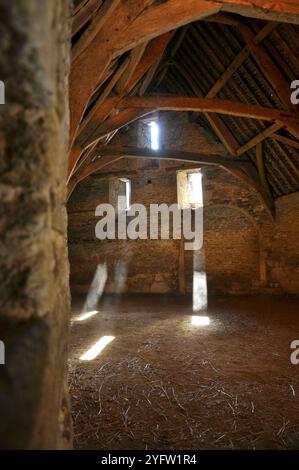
(118,46)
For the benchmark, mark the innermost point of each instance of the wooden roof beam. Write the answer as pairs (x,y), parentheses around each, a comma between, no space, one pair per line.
(285,140)
(169,154)
(139,67)
(261,168)
(135,57)
(88,170)
(101,111)
(240,59)
(173,52)
(226,107)
(270,70)
(104,95)
(259,138)
(287,11)
(98,21)
(123,118)
(138,107)
(294,173)
(222,18)
(293,129)
(149,76)
(148,20)
(145,21)
(240,170)
(218,126)
(83,13)
(153,51)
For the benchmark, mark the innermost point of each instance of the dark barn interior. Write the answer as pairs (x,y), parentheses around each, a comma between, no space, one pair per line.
(133,341)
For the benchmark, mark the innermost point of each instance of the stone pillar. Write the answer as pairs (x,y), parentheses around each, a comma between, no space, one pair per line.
(34,285)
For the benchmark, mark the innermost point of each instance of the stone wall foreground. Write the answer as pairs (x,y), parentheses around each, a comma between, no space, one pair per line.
(34,309)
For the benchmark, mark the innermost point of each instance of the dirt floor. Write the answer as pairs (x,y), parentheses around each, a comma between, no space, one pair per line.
(164,383)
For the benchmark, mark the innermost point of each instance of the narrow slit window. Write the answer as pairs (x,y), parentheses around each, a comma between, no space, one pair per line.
(120,194)
(154,135)
(195,189)
(127,192)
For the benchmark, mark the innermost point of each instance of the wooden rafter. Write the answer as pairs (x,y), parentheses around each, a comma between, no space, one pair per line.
(98,21)
(243,170)
(287,49)
(149,76)
(259,138)
(146,21)
(226,107)
(288,160)
(240,59)
(173,52)
(220,129)
(135,57)
(88,170)
(223,18)
(101,111)
(106,92)
(261,168)
(293,128)
(83,13)
(137,107)
(287,10)
(153,51)
(281,167)
(268,67)
(286,141)
(125,117)
(169,154)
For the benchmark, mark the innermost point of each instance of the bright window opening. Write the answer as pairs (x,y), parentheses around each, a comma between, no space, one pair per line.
(154,133)
(195,189)
(189,189)
(126,192)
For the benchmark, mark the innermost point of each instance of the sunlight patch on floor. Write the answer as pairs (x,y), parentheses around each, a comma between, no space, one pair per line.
(97,348)
(198,320)
(85,315)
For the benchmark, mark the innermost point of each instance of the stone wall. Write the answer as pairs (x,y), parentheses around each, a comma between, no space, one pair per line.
(175,132)
(238,234)
(285,250)
(34,65)
(237,237)
(231,250)
(148,266)
(244,250)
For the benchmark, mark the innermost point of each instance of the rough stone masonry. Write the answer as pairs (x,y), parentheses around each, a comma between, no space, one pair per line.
(34,308)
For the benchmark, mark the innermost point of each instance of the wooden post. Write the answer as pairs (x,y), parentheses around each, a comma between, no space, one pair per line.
(261,168)
(262,263)
(182,282)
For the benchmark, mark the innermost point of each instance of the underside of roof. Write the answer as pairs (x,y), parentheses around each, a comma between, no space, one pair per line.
(225,59)
(197,58)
